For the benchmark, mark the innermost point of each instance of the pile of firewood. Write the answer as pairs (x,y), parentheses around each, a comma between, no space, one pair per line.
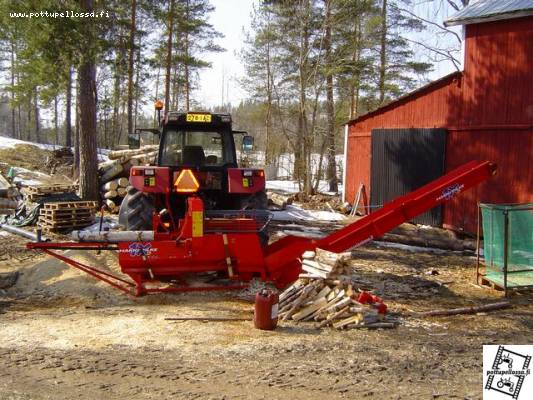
(114,173)
(327,297)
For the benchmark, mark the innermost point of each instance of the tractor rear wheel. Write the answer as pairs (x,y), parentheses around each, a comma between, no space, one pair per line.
(136,211)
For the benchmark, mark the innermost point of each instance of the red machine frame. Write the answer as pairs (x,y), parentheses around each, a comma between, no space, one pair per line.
(194,248)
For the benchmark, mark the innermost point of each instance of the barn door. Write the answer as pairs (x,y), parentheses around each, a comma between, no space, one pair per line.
(402,161)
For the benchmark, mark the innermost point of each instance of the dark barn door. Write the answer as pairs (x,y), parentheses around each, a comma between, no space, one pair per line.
(402,161)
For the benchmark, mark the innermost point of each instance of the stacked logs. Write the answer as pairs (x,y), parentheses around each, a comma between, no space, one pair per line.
(8,196)
(114,173)
(325,296)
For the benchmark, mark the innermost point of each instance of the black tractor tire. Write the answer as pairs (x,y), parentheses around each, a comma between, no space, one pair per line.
(257,201)
(136,211)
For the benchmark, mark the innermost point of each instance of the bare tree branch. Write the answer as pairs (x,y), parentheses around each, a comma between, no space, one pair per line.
(442,27)
(442,52)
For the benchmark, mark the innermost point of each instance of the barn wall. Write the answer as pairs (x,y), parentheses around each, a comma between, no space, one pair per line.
(488,111)
(513,182)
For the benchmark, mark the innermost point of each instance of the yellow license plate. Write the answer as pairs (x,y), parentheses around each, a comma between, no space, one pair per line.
(198,117)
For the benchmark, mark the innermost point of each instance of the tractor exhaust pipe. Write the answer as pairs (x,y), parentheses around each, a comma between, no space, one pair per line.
(112,237)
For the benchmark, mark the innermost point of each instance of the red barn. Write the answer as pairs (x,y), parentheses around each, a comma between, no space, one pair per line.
(484,112)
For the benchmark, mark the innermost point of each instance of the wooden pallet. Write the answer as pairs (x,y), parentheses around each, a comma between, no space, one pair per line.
(67,212)
(70,204)
(66,218)
(65,224)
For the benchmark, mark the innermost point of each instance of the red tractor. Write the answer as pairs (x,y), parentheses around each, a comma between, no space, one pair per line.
(197,156)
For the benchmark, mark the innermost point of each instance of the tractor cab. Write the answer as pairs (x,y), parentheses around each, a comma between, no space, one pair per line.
(197,140)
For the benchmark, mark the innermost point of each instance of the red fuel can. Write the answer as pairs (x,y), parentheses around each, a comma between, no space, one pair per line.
(266,310)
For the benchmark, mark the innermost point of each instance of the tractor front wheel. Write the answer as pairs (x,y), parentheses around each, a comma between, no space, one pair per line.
(136,211)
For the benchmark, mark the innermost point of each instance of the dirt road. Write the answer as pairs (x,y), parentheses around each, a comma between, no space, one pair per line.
(64,337)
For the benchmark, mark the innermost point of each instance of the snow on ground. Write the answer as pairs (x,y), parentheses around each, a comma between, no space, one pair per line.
(292,186)
(294,213)
(26,177)
(7,143)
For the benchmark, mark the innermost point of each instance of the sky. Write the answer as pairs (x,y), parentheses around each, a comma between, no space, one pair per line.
(232,16)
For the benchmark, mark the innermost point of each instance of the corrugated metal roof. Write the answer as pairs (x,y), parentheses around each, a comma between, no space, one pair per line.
(491,10)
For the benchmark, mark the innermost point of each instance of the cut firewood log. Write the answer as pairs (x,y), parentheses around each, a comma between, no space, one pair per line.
(121,192)
(123,182)
(279,200)
(290,291)
(110,204)
(317,273)
(354,319)
(309,309)
(317,265)
(111,172)
(333,316)
(290,297)
(118,154)
(147,158)
(308,255)
(111,185)
(110,194)
(306,293)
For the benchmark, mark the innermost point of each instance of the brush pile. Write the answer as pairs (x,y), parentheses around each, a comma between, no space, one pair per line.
(325,295)
(114,173)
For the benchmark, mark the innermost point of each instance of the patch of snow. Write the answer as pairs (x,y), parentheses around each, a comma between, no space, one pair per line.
(20,170)
(294,213)
(8,143)
(27,182)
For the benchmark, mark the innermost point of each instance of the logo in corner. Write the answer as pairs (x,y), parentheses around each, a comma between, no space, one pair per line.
(506,370)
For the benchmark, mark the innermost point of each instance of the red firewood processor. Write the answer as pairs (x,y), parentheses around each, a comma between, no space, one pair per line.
(196,211)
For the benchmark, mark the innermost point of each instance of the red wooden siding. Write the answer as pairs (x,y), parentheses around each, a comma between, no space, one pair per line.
(513,182)
(487,109)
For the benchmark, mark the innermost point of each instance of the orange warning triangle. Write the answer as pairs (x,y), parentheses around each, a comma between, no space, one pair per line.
(186,182)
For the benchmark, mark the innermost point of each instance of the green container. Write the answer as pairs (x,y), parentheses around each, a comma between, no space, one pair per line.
(519,242)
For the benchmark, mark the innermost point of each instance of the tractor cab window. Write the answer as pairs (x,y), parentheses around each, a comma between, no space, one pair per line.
(196,148)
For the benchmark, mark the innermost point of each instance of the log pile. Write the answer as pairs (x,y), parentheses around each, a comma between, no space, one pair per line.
(114,173)
(323,295)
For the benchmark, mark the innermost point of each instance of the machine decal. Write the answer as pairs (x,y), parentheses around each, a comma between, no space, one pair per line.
(138,249)
(450,191)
